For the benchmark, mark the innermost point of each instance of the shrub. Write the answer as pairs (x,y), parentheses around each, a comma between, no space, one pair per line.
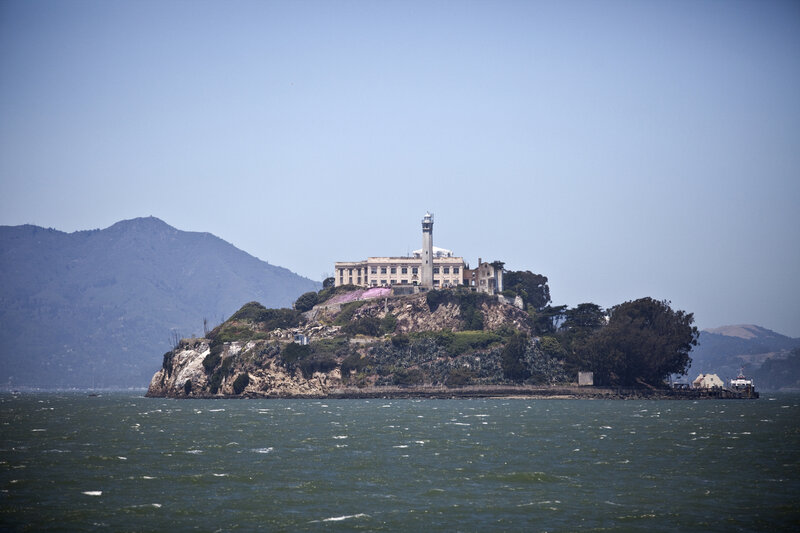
(435,298)
(215,382)
(347,312)
(512,359)
(334,346)
(281,319)
(459,377)
(166,364)
(230,333)
(355,362)
(306,301)
(388,324)
(465,341)
(318,363)
(367,325)
(406,378)
(241,382)
(293,352)
(213,358)
(250,311)
(400,341)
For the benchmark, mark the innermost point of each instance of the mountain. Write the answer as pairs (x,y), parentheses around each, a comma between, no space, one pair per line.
(93,308)
(726,350)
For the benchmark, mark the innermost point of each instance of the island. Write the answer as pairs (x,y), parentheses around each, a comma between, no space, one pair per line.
(354,342)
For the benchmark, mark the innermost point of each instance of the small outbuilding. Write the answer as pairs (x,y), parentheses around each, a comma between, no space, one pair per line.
(708,381)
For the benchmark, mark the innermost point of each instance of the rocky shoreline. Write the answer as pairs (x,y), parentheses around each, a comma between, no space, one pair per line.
(477,392)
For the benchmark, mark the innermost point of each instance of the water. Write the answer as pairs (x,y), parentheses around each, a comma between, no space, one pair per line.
(125,463)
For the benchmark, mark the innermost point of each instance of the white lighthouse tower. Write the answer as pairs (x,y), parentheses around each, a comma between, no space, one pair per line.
(426,270)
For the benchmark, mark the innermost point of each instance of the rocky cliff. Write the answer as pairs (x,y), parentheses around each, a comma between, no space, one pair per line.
(442,338)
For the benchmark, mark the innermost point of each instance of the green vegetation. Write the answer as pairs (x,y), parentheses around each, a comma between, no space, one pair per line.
(367,325)
(514,368)
(639,342)
(645,341)
(213,358)
(355,363)
(293,352)
(347,312)
(388,324)
(532,288)
(459,377)
(408,378)
(251,311)
(469,302)
(255,313)
(316,363)
(167,362)
(241,382)
(306,301)
(466,341)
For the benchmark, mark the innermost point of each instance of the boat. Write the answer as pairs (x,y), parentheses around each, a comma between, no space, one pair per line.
(743,385)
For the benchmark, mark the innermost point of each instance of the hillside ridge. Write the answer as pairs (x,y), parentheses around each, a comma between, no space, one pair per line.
(85,309)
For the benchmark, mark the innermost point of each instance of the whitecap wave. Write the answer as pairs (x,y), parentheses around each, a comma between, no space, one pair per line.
(263,450)
(93,492)
(345,517)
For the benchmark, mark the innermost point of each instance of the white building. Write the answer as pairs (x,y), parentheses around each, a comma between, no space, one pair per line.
(429,267)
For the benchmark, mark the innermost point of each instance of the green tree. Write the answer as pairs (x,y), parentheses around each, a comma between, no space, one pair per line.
(586,316)
(644,342)
(511,360)
(579,324)
(241,382)
(547,319)
(306,301)
(532,288)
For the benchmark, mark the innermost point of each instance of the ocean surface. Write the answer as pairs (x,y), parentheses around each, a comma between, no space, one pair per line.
(121,462)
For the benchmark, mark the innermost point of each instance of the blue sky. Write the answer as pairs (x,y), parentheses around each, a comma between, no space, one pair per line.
(622,148)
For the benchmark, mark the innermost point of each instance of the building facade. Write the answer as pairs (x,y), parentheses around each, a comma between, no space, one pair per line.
(428,268)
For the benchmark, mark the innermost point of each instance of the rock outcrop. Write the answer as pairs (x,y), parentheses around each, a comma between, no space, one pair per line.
(412,340)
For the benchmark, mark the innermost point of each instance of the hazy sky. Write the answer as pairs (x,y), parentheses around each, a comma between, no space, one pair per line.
(623,149)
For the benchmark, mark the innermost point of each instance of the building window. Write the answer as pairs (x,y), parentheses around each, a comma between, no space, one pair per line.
(404,282)
(455,270)
(359,280)
(383,282)
(351,280)
(446,270)
(374,283)
(394,270)
(374,270)
(436,283)
(404,270)
(383,270)
(414,270)
(435,270)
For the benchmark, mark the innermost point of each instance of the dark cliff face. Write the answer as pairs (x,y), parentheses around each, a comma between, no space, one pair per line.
(396,342)
(92,308)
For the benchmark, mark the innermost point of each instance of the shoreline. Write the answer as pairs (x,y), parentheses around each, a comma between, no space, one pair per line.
(493,392)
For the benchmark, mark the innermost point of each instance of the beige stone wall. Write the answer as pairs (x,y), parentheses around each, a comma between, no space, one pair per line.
(387,271)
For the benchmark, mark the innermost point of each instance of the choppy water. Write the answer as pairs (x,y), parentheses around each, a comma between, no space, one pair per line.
(126,463)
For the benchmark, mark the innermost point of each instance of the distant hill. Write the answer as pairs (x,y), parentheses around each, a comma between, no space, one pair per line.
(725,350)
(99,308)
